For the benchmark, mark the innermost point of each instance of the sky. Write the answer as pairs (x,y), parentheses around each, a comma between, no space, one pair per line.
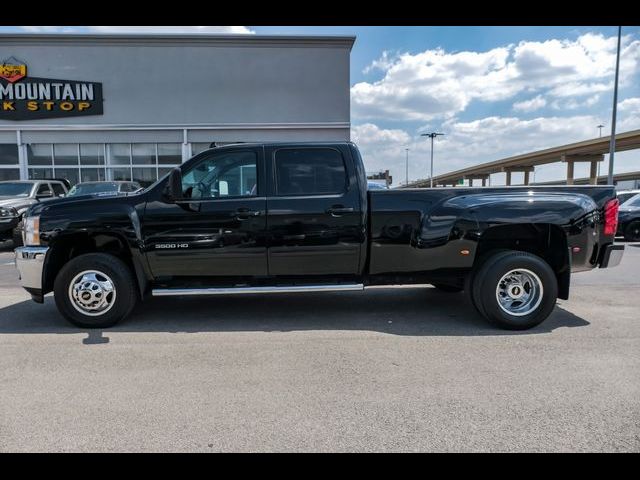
(493,91)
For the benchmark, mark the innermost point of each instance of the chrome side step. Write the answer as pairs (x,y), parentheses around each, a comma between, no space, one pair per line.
(167,292)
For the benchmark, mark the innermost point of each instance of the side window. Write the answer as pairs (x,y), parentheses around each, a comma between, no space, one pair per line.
(223,174)
(309,171)
(58,189)
(44,189)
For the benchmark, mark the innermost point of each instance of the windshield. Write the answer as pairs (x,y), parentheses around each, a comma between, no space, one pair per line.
(632,202)
(93,188)
(17,189)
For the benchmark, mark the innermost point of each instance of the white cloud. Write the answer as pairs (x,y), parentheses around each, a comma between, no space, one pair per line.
(629,105)
(140,29)
(491,138)
(439,84)
(573,103)
(530,105)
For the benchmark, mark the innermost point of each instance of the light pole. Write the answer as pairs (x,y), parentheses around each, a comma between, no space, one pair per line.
(612,143)
(431,135)
(406,168)
(598,174)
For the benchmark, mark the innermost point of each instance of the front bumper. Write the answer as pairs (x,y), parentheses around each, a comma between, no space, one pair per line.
(611,256)
(30,264)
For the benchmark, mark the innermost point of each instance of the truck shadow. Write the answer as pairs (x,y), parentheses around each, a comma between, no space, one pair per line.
(411,311)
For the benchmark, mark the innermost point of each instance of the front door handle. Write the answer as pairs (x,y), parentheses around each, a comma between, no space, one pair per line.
(339,210)
(245,213)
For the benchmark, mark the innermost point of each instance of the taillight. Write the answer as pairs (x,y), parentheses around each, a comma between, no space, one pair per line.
(611,217)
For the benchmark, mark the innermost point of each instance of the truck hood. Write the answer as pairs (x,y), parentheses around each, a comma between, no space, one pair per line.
(16,202)
(83,201)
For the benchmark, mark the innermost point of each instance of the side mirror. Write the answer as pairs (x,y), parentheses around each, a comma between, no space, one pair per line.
(173,188)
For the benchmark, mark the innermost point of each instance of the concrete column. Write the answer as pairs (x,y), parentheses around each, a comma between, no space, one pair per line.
(593,173)
(471,182)
(526,178)
(569,172)
(22,156)
(484,182)
(508,178)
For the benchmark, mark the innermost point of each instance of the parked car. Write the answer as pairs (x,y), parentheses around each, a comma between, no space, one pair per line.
(624,195)
(105,188)
(287,217)
(18,195)
(629,219)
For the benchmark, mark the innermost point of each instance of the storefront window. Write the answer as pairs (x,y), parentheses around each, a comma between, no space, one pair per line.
(144,176)
(86,161)
(65,153)
(91,154)
(40,154)
(40,173)
(9,174)
(120,174)
(119,154)
(92,174)
(169,153)
(8,154)
(71,174)
(143,153)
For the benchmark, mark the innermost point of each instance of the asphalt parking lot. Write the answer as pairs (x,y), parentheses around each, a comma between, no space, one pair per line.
(385,370)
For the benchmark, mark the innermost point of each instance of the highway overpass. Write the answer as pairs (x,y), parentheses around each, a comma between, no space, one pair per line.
(590,151)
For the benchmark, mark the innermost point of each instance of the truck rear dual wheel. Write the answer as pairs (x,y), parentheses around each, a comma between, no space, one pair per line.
(514,290)
(95,290)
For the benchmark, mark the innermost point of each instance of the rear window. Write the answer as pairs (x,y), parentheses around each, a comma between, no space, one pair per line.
(309,171)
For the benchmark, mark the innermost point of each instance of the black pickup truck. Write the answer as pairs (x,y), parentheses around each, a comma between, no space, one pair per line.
(287,217)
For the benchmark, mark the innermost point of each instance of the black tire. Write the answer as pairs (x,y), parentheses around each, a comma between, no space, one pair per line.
(125,288)
(487,280)
(632,232)
(17,235)
(447,288)
(475,273)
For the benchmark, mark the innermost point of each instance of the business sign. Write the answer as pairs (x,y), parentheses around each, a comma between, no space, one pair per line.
(32,98)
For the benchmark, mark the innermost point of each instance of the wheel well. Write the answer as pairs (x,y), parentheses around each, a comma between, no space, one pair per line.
(72,246)
(544,240)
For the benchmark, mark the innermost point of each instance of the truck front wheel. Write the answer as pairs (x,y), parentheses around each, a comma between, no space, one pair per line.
(95,290)
(16,235)
(515,290)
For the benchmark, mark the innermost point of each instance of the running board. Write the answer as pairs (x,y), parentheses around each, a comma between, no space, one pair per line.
(167,292)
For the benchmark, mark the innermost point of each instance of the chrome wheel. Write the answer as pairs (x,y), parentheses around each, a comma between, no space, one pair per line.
(519,292)
(92,293)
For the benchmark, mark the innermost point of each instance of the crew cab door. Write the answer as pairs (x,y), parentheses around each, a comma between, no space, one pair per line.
(315,221)
(218,228)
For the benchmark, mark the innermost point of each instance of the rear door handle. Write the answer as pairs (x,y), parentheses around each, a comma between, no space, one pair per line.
(245,213)
(338,210)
